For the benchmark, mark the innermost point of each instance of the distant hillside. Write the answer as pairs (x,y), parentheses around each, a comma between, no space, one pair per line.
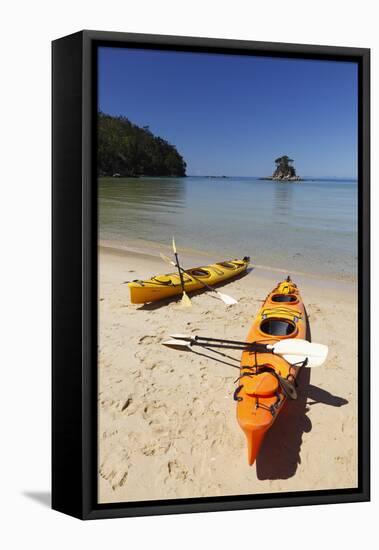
(128,150)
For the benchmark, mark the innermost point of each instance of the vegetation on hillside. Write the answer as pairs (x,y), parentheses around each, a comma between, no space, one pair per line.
(126,149)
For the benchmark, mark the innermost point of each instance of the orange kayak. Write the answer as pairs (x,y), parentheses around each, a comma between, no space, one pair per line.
(260,396)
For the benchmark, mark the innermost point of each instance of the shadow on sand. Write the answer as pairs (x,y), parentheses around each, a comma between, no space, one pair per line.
(280,452)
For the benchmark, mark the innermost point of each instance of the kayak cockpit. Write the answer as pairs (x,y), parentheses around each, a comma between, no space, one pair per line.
(278,327)
(286,298)
(199,272)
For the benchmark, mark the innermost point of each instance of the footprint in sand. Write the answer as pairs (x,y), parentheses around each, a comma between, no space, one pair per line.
(147,339)
(127,405)
(152,408)
(155,448)
(140,355)
(115,474)
(150,366)
(177,471)
(107,434)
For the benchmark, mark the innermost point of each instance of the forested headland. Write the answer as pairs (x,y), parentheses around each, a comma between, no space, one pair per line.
(127,150)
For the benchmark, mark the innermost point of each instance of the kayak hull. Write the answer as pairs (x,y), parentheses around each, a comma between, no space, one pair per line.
(260,397)
(166,286)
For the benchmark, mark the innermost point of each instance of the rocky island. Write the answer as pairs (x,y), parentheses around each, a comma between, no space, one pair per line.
(284,170)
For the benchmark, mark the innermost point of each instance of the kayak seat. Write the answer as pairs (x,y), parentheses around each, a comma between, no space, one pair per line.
(173,279)
(260,385)
(278,327)
(199,272)
(228,265)
(163,279)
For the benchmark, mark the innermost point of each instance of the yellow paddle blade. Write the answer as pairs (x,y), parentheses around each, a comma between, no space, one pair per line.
(186,301)
(173,245)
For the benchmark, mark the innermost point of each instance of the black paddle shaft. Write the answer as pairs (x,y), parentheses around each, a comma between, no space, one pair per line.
(244,346)
(180,271)
(253,345)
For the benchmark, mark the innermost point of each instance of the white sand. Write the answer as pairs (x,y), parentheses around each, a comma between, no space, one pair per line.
(167,420)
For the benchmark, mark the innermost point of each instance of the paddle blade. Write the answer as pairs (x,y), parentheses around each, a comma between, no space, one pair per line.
(295,350)
(311,361)
(228,300)
(182,344)
(173,245)
(186,300)
(181,336)
(288,388)
(167,260)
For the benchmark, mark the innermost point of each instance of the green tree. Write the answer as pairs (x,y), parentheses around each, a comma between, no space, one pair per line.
(127,149)
(284,161)
(284,168)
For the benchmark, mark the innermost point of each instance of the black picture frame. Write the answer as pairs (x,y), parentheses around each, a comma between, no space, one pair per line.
(74,272)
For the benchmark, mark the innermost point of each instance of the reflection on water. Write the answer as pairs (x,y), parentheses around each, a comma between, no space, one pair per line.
(309,226)
(283,201)
(139,207)
(143,192)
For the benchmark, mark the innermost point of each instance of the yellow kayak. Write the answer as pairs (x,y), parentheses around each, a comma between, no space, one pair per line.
(165,286)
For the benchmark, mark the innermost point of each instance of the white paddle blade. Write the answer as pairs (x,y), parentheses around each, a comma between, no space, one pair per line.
(181,336)
(177,344)
(295,350)
(296,346)
(228,300)
(311,363)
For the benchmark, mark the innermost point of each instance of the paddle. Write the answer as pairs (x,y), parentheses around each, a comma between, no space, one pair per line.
(228,300)
(288,387)
(293,350)
(186,301)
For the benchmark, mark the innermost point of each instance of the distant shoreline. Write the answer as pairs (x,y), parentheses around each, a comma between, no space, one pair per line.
(292,179)
(262,178)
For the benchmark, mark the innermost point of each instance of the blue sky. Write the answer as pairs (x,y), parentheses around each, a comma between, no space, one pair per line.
(233,115)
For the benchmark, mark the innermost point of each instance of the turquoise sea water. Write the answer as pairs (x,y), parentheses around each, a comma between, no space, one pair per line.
(308,227)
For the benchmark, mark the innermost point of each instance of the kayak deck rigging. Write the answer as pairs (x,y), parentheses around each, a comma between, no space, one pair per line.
(267,380)
(160,287)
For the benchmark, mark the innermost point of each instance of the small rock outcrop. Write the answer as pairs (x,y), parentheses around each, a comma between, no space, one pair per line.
(284,170)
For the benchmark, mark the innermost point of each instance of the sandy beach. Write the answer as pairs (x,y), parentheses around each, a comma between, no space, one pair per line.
(167,419)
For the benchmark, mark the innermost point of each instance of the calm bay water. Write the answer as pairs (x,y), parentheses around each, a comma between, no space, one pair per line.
(309,226)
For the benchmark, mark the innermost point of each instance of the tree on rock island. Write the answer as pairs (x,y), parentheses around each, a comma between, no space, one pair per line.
(284,168)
